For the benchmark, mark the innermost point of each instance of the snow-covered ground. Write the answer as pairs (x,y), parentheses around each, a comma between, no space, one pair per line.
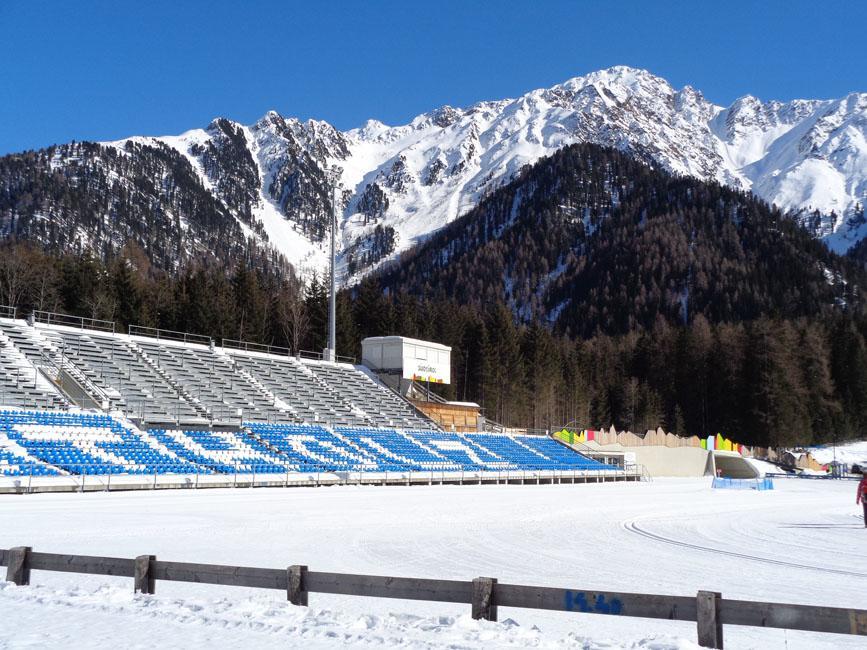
(849,453)
(801,543)
(765,467)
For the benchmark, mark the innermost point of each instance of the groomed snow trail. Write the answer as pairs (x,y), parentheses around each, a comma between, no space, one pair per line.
(801,543)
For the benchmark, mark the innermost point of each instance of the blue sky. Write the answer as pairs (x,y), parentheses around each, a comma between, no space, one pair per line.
(103,70)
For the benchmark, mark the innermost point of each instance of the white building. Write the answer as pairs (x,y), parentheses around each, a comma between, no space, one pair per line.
(399,360)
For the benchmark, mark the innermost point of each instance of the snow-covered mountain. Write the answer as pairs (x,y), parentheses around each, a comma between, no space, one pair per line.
(401,183)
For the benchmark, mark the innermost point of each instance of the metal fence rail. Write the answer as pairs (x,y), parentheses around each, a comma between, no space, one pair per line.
(52,318)
(169,335)
(816,477)
(249,346)
(319,356)
(708,609)
(30,477)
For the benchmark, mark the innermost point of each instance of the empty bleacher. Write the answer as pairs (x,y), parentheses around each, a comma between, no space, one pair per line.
(14,461)
(220,451)
(161,381)
(294,384)
(378,404)
(194,408)
(398,449)
(561,456)
(456,448)
(110,363)
(314,448)
(211,381)
(21,383)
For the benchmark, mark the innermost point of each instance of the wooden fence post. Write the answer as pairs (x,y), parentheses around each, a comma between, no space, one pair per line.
(484,604)
(710,632)
(145,582)
(18,565)
(295,584)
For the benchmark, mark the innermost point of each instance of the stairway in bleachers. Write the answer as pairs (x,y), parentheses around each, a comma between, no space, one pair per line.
(21,382)
(111,363)
(379,404)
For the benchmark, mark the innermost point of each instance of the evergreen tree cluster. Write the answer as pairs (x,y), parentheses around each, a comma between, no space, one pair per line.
(368,249)
(232,170)
(101,198)
(594,241)
(373,203)
(767,381)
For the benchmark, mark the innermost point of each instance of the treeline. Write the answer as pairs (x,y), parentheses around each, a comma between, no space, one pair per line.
(768,381)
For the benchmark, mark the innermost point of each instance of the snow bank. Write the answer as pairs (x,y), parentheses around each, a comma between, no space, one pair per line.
(114,617)
(765,467)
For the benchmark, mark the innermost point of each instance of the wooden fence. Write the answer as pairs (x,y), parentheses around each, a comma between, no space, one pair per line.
(708,609)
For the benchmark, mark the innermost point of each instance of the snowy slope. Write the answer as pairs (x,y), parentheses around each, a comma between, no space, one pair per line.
(803,155)
(672,536)
(849,453)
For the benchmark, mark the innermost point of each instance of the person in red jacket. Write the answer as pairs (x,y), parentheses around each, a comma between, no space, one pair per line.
(862,495)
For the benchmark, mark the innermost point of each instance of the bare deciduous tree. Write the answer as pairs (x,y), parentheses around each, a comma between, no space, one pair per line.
(15,273)
(294,320)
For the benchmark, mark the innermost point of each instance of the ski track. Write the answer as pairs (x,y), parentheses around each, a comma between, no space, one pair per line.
(635,528)
(799,543)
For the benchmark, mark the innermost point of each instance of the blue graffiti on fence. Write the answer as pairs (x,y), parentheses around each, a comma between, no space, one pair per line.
(577,601)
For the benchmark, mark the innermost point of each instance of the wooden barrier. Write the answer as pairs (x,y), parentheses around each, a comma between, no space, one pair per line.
(709,610)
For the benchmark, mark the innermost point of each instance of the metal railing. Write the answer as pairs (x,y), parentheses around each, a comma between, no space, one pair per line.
(169,335)
(8,312)
(164,412)
(21,377)
(318,356)
(249,346)
(67,320)
(421,389)
(816,477)
(709,610)
(170,414)
(30,477)
(65,372)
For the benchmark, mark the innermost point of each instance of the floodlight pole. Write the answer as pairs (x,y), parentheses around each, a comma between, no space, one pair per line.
(331,350)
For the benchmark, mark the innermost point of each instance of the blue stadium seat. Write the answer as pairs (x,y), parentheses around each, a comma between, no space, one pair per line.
(83,443)
(44,443)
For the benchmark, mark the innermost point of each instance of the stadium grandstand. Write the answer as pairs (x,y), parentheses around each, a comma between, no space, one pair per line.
(78,398)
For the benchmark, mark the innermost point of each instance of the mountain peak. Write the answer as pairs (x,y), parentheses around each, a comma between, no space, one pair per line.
(405,182)
(272,117)
(622,76)
(441,117)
